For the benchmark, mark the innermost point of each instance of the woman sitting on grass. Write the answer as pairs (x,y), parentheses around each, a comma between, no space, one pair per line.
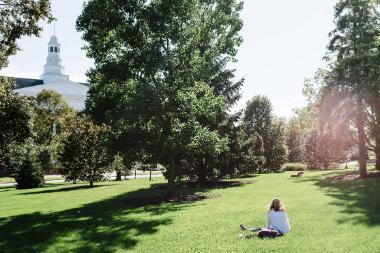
(278,223)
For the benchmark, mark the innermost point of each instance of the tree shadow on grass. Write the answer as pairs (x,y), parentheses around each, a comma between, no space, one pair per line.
(12,187)
(65,189)
(104,226)
(359,198)
(6,188)
(248,176)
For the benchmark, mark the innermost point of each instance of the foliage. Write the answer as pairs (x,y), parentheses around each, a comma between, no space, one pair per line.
(84,154)
(228,163)
(161,78)
(51,114)
(258,119)
(46,158)
(19,18)
(28,173)
(276,152)
(251,152)
(354,52)
(294,167)
(294,143)
(320,142)
(258,115)
(14,121)
(324,150)
(321,134)
(117,165)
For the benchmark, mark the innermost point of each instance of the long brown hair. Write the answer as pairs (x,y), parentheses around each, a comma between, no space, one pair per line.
(276,206)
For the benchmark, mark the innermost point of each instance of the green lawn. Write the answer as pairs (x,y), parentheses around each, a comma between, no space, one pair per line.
(326,216)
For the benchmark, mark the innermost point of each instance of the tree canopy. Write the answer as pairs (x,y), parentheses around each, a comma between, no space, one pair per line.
(84,155)
(258,119)
(161,77)
(15,118)
(354,53)
(51,114)
(19,18)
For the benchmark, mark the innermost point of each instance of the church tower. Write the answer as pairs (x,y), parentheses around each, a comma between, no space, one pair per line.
(53,70)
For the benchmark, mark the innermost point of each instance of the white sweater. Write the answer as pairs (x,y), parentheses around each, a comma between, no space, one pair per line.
(278,221)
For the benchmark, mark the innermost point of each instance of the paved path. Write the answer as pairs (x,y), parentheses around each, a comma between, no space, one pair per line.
(112,177)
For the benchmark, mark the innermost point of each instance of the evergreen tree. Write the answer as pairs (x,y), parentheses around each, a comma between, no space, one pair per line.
(28,173)
(258,119)
(251,152)
(354,52)
(276,153)
(294,143)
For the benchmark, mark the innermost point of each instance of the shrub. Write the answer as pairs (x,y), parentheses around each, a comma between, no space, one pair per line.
(29,174)
(294,167)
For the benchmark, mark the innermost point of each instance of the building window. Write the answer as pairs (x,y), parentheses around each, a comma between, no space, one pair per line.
(51,49)
(56,49)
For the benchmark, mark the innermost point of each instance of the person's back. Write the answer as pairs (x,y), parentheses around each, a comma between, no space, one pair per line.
(278,223)
(278,220)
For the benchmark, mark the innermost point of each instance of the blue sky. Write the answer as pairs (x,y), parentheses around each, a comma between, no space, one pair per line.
(284,42)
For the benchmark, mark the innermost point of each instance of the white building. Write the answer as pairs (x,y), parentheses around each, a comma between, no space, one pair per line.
(53,78)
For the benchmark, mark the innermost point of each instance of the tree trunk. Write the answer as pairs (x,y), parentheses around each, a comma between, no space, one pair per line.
(377,148)
(362,142)
(171,173)
(202,172)
(92,178)
(377,133)
(202,175)
(118,175)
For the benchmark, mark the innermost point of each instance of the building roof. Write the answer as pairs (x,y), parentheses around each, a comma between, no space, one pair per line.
(73,93)
(54,79)
(26,82)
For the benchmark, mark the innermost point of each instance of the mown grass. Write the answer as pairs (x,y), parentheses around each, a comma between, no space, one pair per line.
(326,216)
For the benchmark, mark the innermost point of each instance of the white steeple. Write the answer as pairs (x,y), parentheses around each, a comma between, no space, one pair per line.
(53,70)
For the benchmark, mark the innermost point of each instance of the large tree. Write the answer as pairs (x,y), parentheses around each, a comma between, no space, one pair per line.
(258,119)
(354,52)
(161,78)
(19,18)
(15,115)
